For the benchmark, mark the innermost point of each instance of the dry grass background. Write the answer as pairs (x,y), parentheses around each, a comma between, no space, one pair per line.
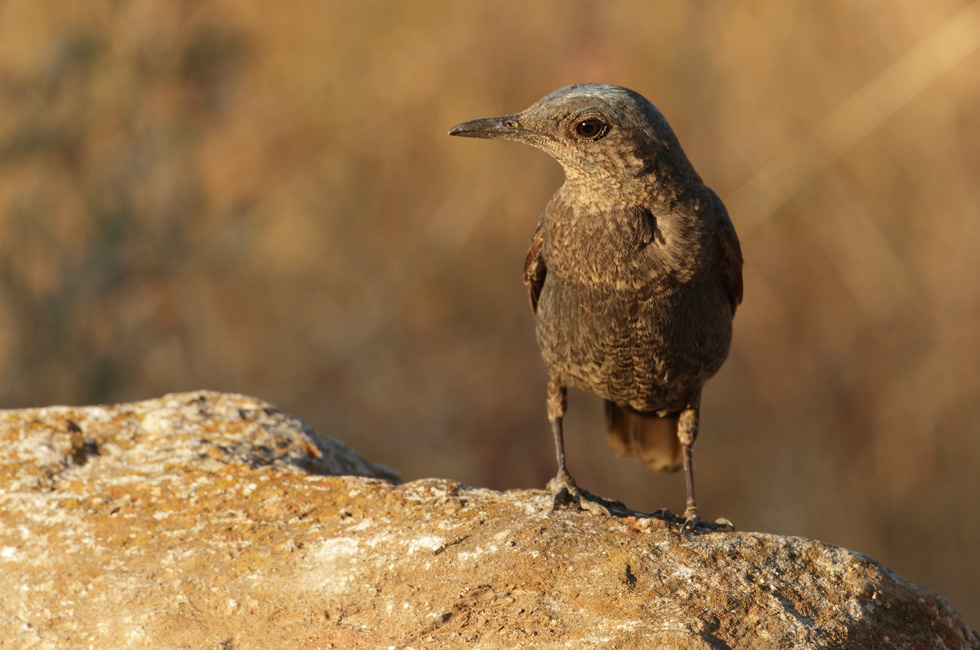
(224,195)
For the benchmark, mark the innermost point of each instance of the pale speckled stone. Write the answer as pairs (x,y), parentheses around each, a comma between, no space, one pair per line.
(205,520)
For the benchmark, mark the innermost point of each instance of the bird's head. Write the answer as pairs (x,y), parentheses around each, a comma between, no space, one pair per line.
(603,136)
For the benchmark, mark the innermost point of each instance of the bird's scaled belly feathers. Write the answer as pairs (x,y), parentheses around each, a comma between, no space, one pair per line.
(651,353)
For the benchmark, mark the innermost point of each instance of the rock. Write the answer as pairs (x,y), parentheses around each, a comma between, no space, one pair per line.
(205,520)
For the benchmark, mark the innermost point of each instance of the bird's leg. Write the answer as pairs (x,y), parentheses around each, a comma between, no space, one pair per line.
(687,432)
(562,485)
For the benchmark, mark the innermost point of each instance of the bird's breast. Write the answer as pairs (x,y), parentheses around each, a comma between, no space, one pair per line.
(632,306)
(650,349)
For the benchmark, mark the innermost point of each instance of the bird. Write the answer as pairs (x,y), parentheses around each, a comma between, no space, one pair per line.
(634,274)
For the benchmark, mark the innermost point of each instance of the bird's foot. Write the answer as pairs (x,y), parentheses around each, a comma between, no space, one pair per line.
(691,522)
(567,493)
(691,518)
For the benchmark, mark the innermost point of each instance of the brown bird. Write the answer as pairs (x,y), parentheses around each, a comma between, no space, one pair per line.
(634,272)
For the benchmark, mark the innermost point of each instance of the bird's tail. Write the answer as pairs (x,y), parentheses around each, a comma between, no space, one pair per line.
(650,439)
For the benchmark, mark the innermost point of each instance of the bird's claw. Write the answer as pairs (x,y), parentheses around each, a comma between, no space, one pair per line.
(564,489)
(563,497)
(691,519)
(691,522)
(567,493)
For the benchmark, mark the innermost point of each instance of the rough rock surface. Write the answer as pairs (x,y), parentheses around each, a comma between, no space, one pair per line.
(205,520)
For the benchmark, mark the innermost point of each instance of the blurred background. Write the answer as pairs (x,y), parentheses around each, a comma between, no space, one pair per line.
(218,194)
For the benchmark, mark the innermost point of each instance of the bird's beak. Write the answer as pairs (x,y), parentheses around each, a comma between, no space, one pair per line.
(506,127)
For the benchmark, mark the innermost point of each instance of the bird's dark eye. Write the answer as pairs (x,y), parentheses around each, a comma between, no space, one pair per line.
(590,129)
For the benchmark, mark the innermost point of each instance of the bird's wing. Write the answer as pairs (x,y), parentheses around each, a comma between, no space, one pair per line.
(731,255)
(534,269)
